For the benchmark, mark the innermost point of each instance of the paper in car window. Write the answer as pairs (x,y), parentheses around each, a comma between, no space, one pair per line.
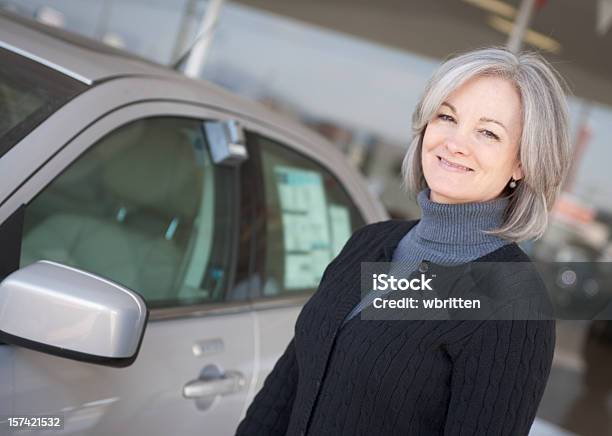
(307,239)
(340,220)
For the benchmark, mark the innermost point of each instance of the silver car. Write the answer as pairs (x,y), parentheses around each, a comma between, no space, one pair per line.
(159,237)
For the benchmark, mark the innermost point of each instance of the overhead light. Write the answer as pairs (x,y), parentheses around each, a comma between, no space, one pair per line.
(531,37)
(114,40)
(50,16)
(604,16)
(496,6)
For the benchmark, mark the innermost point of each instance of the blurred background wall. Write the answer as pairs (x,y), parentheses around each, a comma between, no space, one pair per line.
(353,71)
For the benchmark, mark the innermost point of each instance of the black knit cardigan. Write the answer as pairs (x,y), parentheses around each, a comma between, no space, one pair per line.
(401,377)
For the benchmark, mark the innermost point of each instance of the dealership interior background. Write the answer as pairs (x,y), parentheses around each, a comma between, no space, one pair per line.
(353,71)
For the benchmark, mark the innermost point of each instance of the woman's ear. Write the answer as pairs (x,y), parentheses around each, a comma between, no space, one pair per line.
(517,174)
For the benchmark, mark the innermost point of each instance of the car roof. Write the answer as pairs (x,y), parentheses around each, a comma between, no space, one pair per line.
(84,59)
(92,62)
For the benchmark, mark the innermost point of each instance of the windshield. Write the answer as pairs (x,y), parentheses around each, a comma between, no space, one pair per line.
(29,93)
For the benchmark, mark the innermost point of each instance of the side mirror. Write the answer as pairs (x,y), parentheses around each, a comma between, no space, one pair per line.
(60,310)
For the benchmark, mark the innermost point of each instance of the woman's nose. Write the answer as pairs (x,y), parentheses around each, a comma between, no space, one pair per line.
(458,143)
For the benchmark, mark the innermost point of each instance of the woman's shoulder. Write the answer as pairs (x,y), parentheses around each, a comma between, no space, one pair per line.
(512,279)
(509,265)
(510,252)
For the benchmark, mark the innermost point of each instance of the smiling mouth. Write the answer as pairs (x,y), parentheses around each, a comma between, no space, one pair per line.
(453,166)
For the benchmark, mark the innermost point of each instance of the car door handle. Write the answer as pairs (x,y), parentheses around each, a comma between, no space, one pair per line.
(210,386)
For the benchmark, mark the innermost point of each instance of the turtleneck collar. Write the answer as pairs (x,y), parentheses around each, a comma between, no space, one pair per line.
(461,223)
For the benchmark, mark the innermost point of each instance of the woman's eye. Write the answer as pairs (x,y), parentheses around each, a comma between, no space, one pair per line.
(445,117)
(490,134)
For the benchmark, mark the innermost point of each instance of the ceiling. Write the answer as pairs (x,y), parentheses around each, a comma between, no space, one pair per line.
(438,28)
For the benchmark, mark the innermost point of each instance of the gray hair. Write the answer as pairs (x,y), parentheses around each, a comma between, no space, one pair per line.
(544,149)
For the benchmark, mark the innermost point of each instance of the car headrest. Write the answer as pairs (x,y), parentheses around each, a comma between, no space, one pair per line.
(156,167)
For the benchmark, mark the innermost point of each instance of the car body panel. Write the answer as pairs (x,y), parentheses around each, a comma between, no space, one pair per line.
(145,398)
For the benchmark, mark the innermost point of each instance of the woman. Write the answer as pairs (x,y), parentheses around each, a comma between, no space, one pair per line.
(489,154)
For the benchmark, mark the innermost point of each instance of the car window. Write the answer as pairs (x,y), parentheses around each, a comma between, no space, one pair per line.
(309,218)
(144,207)
(29,93)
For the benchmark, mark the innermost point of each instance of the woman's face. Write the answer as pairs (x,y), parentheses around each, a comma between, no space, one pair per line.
(470,147)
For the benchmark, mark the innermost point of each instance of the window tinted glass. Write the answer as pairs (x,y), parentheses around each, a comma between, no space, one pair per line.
(29,93)
(309,218)
(144,207)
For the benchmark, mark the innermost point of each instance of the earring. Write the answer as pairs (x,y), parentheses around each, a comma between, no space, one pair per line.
(512,183)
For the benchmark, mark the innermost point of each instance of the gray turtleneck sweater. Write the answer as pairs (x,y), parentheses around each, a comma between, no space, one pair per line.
(446,234)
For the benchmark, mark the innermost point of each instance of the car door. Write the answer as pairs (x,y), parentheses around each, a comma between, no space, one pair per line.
(137,199)
(306,216)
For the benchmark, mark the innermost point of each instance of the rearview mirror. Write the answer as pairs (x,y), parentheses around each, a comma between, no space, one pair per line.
(60,310)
